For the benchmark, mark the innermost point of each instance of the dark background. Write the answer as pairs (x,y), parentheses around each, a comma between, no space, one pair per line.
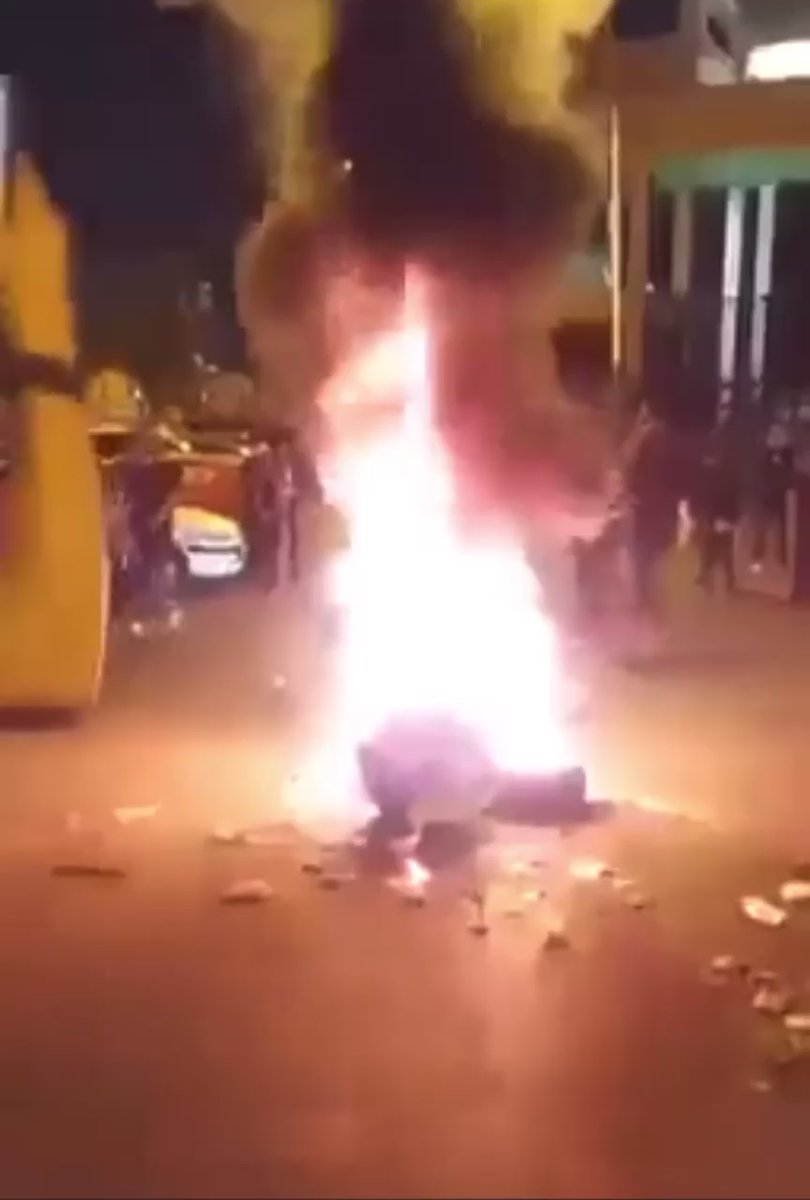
(142,124)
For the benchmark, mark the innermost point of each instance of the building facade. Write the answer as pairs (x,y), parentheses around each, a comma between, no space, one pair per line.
(713,183)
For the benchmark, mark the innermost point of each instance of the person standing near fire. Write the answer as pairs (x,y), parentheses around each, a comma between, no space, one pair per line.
(297,485)
(149,483)
(288,492)
(775,476)
(715,507)
(264,518)
(658,478)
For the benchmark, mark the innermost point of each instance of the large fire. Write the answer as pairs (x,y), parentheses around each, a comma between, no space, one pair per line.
(429,131)
(438,622)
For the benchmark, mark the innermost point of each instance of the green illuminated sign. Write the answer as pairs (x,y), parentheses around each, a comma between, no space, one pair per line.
(734,168)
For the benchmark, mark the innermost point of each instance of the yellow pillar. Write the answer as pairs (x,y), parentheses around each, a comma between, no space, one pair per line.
(53,577)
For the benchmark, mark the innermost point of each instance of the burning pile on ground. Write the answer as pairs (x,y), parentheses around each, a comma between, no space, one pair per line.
(441,430)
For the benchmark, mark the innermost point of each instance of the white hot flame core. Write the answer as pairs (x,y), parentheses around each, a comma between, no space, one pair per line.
(435,619)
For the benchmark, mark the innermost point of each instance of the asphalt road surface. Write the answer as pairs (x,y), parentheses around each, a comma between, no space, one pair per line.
(156,1042)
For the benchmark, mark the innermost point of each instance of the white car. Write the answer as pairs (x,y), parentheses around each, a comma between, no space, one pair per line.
(212,546)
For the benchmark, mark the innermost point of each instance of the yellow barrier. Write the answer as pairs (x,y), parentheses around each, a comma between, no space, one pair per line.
(53,571)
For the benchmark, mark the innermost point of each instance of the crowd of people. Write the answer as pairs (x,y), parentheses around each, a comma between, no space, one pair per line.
(141,492)
(678,484)
(673,483)
(281,478)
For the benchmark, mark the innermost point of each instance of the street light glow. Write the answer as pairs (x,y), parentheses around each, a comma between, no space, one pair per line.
(781,60)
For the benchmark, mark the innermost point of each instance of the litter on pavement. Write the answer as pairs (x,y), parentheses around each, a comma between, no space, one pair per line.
(270,834)
(224,836)
(590,870)
(248,891)
(333,881)
(516,902)
(594,870)
(331,867)
(798,1022)
(130,814)
(556,939)
(250,835)
(795,891)
(477,916)
(629,893)
(773,1000)
(756,908)
(725,967)
(81,870)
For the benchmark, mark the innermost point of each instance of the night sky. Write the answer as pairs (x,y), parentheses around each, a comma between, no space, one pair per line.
(139,119)
(142,124)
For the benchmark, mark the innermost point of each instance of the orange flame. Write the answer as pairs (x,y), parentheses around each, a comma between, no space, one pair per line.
(436,618)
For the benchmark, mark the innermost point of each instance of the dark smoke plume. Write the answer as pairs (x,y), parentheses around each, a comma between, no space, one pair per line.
(417,165)
(435,174)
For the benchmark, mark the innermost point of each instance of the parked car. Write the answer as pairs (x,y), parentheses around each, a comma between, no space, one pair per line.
(207,519)
(212,546)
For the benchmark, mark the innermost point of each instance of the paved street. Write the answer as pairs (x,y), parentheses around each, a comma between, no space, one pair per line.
(155,1042)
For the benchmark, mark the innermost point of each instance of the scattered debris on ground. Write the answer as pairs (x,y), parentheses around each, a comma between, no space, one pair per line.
(763,912)
(725,968)
(333,881)
(477,923)
(631,896)
(773,1000)
(785,1049)
(332,867)
(556,939)
(271,835)
(267,835)
(88,870)
(782,1035)
(515,901)
(131,814)
(224,836)
(248,891)
(795,891)
(591,870)
(594,870)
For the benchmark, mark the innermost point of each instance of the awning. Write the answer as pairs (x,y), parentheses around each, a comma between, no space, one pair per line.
(734,168)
